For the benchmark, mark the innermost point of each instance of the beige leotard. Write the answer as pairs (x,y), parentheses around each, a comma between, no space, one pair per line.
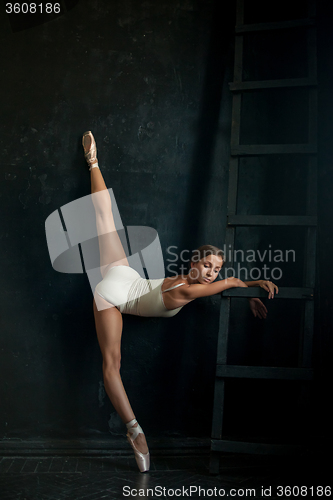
(123,287)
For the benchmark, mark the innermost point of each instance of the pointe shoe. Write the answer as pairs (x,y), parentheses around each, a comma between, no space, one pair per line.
(90,149)
(142,459)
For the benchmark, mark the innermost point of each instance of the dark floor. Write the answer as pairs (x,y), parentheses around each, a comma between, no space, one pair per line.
(113,477)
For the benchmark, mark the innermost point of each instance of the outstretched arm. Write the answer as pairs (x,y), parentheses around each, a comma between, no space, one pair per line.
(266,285)
(257,307)
(199,290)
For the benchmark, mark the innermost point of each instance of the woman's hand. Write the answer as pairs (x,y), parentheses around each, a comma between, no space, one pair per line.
(269,287)
(258,308)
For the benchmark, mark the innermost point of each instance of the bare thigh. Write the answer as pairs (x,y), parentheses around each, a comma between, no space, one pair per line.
(109,326)
(111,248)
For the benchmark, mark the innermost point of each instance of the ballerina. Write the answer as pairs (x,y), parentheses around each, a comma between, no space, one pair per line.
(123,291)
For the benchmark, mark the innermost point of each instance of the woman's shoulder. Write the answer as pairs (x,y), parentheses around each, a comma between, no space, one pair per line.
(174,280)
(173,298)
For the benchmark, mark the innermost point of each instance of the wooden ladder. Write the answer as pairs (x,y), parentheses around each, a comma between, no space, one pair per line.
(303,370)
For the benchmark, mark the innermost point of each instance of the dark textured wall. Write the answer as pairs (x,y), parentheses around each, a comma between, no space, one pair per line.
(144,78)
(151,81)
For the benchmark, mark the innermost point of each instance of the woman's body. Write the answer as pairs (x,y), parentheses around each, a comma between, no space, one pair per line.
(176,292)
(123,287)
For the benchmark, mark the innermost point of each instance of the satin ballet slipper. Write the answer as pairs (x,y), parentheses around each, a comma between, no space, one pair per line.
(90,149)
(142,459)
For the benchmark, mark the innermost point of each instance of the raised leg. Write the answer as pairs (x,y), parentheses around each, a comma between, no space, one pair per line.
(109,324)
(110,246)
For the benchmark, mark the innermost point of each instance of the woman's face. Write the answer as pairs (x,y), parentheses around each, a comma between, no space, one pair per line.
(207,269)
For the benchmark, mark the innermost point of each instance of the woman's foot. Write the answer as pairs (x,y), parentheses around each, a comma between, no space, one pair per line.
(140,442)
(90,149)
(137,440)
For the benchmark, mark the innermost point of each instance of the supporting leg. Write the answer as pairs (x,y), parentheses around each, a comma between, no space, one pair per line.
(109,326)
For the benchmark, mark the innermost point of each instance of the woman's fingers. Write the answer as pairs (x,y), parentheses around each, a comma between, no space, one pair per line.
(263,311)
(271,288)
(258,308)
(268,289)
(264,307)
(261,315)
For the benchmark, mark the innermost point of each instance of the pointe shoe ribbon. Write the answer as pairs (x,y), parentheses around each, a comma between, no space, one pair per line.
(142,459)
(91,153)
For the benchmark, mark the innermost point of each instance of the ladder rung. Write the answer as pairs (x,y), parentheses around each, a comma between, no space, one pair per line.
(257,448)
(268,84)
(274,26)
(304,293)
(271,149)
(272,220)
(263,372)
